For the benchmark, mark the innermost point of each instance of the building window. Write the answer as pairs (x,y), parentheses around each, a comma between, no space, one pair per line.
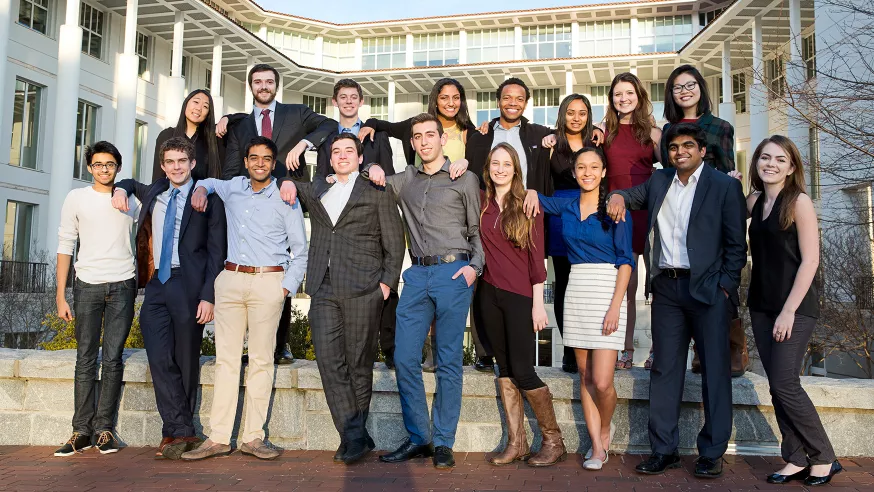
(486,107)
(605,38)
(599,97)
(435,49)
(705,18)
(490,45)
(426,100)
(813,166)
(739,92)
(546,103)
(317,104)
(657,97)
(253,28)
(140,135)
(18,231)
(808,54)
(663,34)
(378,107)
(91,21)
(34,14)
(143,44)
(86,124)
(388,52)
(338,55)
(298,46)
(775,73)
(545,42)
(26,111)
(208,83)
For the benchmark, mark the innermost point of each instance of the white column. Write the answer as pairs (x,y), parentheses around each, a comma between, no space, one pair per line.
(635,46)
(280,90)
(758,90)
(632,69)
(247,90)
(575,39)
(568,82)
(126,91)
(216,83)
(797,127)
(726,106)
(320,51)
(176,84)
(462,46)
(409,60)
(517,42)
(391,101)
(358,50)
(262,32)
(5,23)
(64,128)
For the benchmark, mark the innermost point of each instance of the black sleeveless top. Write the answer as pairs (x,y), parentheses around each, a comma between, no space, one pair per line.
(776,258)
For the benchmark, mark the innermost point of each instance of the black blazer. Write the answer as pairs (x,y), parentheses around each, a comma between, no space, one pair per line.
(531,134)
(716,237)
(203,242)
(366,247)
(291,124)
(403,131)
(376,151)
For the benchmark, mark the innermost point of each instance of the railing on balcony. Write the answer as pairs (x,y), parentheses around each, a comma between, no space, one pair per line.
(549,293)
(865,292)
(22,277)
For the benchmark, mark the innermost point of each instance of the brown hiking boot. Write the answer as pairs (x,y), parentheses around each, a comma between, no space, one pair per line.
(552,448)
(517,441)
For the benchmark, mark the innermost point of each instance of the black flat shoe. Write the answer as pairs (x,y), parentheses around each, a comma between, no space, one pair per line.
(569,364)
(812,481)
(357,449)
(389,362)
(658,463)
(484,364)
(708,467)
(338,456)
(443,458)
(408,451)
(781,479)
(283,357)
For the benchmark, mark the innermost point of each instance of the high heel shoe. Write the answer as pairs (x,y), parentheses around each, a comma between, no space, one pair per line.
(814,481)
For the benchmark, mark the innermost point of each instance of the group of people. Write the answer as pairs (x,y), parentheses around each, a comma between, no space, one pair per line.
(220,235)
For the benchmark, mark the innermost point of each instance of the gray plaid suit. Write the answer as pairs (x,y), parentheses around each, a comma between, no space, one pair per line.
(365,248)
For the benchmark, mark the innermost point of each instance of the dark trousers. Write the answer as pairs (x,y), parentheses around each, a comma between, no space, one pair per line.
(109,306)
(804,439)
(677,317)
(562,267)
(387,325)
(507,321)
(284,325)
(482,346)
(172,337)
(344,338)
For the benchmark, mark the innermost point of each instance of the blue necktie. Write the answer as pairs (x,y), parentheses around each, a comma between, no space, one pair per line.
(167,238)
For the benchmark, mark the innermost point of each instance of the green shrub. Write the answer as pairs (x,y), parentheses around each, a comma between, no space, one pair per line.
(65,332)
(300,339)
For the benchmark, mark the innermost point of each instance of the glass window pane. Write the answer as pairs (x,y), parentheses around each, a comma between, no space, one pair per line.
(563,49)
(547,51)
(451,57)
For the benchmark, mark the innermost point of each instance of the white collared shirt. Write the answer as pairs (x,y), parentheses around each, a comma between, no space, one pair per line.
(514,138)
(673,221)
(159,210)
(256,111)
(336,198)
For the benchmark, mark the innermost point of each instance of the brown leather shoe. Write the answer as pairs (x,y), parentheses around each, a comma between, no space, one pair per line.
(179,445)
(737,344)
(207,449)
(552,448)
(517,441)
(258,449)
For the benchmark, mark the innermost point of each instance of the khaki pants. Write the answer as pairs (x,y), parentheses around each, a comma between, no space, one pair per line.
(253,301)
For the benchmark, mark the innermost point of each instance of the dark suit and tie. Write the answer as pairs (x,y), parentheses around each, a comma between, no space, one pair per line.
(694,280)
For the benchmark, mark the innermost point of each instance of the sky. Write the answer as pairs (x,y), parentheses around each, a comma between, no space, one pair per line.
(346,11)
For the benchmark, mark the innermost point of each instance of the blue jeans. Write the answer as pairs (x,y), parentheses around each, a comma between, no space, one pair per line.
(109,306)
(431,292)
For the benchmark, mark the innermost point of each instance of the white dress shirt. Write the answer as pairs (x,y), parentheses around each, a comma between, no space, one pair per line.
(159,211)
(256,111)
(335,199)
(513,137)
(673,221)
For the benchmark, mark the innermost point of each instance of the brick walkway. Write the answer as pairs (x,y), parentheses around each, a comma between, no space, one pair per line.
(33,468)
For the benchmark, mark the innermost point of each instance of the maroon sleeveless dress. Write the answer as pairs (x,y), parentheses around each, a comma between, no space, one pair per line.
(629,163)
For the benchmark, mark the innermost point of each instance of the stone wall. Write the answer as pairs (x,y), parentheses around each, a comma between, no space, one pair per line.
(36,406)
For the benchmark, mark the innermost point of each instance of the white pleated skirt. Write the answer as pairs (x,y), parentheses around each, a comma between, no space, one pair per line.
(586,301)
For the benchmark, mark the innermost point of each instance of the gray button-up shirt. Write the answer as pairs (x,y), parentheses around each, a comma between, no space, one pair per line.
(442,215)
(159,211)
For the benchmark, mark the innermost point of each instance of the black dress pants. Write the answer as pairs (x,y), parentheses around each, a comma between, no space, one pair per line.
(387,324)
(676,318)
(562,267)
(282,329)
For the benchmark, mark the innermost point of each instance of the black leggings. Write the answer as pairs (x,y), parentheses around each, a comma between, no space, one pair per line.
(507,320)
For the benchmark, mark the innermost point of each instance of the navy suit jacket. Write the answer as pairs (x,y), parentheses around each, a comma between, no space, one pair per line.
(716,235)
(203,242)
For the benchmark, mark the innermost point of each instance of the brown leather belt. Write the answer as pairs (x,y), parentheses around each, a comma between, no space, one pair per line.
(252,269)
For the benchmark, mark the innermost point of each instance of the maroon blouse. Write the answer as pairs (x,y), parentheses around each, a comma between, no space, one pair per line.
(509,267)
(629,163)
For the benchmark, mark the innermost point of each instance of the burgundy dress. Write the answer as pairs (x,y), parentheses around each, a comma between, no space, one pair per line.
(629,163)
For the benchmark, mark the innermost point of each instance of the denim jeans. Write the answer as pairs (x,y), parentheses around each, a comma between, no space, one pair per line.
(430,292)
(110,306)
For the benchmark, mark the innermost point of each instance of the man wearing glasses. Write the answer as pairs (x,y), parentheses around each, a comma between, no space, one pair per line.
(104,289)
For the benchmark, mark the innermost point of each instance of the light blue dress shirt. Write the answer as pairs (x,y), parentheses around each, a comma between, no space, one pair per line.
(159,210)
(262,229)
(354,129)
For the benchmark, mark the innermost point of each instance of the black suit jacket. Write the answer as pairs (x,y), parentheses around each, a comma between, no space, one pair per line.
(203,242)
(376,151)
(291,124)
(531,134)
(716,236)
(366,246)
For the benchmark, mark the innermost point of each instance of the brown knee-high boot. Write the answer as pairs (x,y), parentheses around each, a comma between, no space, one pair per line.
(517,441)
(552,448)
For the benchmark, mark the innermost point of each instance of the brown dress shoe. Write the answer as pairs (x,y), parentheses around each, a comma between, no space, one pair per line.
(159,453)
(552,448)
(517,441)
(258,449)
(179,445)
(207,449)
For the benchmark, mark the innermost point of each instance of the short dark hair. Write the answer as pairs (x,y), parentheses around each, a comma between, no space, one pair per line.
(261,141)
(359,147)
(512,81)
(102,147)
(177,143)
(424,118)
(263,67)
(673,112)
(687,130)
(345,84)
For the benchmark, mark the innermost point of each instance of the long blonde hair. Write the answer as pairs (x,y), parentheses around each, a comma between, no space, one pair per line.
(515,225)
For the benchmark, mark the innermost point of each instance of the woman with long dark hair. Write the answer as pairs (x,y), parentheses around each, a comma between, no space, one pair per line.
(197,124)
(631,148)
(602,260)
(509,301)
(784,304)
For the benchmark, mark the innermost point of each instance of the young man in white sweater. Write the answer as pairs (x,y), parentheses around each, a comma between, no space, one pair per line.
(104,289)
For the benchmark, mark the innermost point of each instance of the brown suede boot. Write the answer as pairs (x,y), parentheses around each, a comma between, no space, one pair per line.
(517,441)
(737,343)
(552,448)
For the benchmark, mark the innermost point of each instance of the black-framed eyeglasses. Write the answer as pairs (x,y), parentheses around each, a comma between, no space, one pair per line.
(689,86)
(109,166)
